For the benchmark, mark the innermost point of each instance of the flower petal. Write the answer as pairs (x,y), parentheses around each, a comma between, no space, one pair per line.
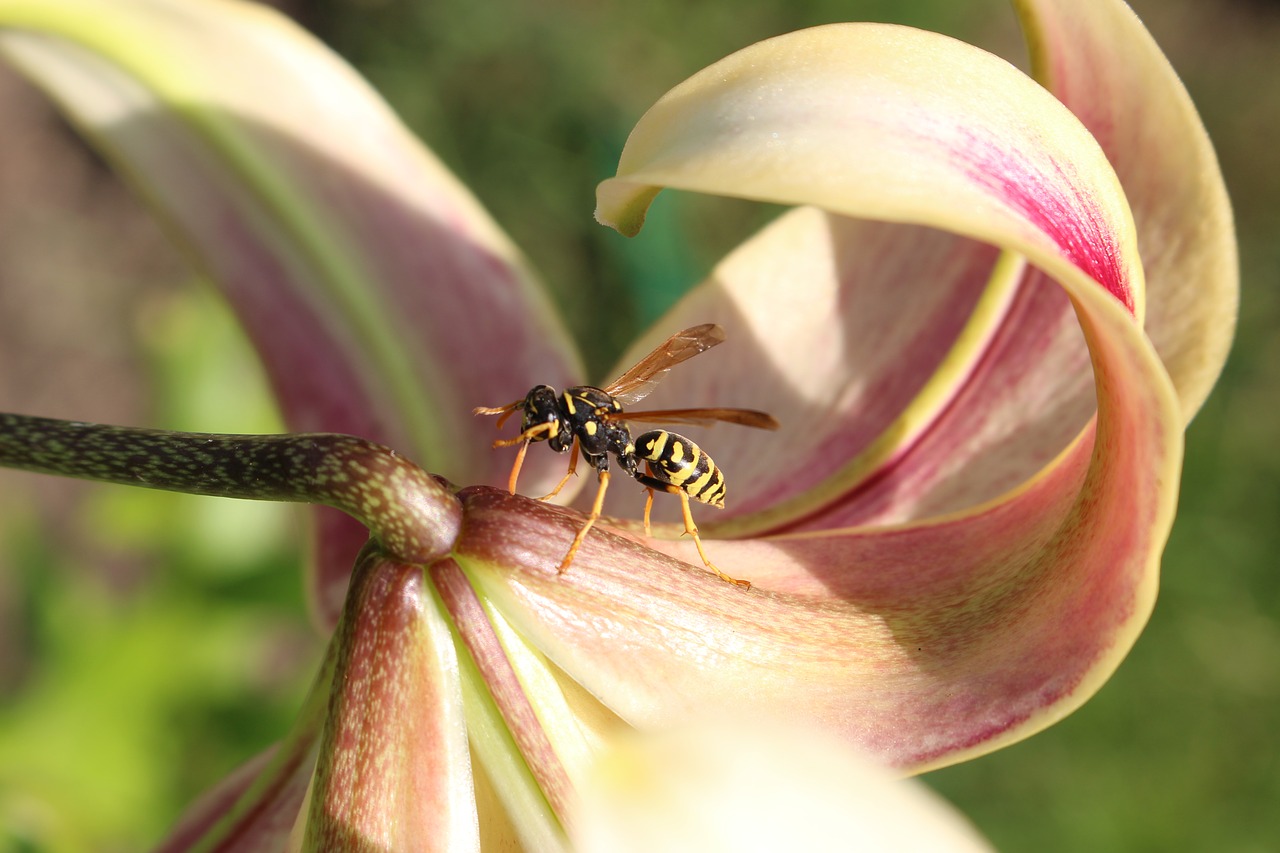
(394,771)
(934,641)
(1026,400)
(922,645)
(856,335)
(982,153)
(358,264)
(270,817)
(1100,61)
(535,793)
(886,122)
(775,786)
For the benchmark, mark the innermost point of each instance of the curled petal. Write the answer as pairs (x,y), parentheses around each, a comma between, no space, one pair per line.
(929,130)
(1001,406)
(940,639)
(1100,61)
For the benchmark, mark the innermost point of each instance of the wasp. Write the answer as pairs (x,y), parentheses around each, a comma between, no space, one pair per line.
(592,421)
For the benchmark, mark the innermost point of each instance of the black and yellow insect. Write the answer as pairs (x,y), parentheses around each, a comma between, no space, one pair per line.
(593,421)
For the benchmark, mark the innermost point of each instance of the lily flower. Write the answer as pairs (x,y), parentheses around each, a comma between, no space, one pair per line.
(984,326)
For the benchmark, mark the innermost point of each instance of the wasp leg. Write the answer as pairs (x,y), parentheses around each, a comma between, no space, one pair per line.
(573,469)
(648,507)
(523,439)
(516,466)
(692,530)
(591,520)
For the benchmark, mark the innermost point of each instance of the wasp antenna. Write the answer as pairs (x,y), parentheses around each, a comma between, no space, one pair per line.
(533,433)
(503,412)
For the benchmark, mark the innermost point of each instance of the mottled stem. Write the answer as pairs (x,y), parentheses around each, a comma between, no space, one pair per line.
(412,515)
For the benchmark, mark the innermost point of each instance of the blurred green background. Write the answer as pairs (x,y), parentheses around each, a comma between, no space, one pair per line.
(150,642)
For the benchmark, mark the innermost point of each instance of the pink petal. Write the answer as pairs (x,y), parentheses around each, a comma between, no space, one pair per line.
(1100,61)
(360,267)
(856,335)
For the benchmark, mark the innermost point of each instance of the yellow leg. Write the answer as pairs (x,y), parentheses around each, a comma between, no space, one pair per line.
(515,469)
(648,507)
(523,439)
(591,520)
(573,467)
(692,530)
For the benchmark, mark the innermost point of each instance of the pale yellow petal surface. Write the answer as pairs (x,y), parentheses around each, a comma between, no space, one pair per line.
(719,786)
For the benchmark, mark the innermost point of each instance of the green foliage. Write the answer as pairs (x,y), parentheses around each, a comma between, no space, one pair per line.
(171,643)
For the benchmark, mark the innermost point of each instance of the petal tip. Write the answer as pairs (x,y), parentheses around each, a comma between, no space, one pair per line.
(622,205)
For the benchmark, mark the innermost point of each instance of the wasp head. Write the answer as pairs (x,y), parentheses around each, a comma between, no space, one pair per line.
(541,414)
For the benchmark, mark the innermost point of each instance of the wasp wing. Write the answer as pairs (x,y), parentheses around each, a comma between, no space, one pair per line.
(634,385)
(706,417)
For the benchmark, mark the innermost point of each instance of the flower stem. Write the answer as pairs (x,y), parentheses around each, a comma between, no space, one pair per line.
(414,516)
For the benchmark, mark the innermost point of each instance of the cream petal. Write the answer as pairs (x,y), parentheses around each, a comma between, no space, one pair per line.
(729,786)
(855,335)
(928,642)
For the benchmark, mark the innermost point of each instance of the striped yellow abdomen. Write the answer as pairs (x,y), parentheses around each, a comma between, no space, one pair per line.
(674,459)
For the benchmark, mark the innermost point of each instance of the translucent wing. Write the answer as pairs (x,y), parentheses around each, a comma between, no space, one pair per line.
(634,385)
(743,417)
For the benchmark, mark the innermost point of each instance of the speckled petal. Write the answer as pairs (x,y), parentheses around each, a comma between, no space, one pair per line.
(394,770)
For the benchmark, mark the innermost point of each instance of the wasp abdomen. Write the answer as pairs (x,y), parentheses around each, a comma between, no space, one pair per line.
(675,460)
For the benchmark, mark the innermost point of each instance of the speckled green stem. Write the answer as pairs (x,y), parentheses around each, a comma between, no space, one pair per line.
(412,515)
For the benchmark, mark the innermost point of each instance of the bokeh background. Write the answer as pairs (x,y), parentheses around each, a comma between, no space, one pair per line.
(150,642)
